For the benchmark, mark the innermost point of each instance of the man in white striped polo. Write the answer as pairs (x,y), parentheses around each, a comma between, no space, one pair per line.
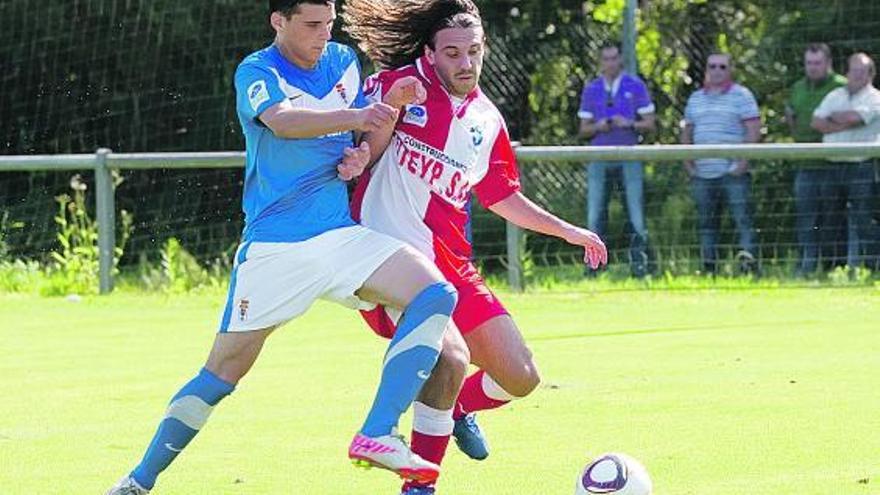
(722,112)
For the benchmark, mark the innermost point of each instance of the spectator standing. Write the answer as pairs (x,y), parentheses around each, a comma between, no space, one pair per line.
(814,179)
(722,112)
(616,110)
(851,114)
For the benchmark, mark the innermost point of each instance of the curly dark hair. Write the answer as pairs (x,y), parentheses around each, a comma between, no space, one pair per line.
(394,33)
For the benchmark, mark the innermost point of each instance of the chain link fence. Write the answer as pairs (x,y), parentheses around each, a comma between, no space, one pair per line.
(155,75)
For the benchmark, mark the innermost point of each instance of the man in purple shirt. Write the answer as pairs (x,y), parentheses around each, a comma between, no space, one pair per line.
(616,110)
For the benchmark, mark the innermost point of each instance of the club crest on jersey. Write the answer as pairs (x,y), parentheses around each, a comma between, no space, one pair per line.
(243,308)
(372,88)
(416,115)
(340,88)
(476,135)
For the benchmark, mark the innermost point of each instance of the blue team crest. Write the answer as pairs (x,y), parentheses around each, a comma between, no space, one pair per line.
(416,115)
(476,135)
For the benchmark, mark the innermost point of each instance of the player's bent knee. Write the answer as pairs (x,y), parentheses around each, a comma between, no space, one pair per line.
(532,381)
(424,320)
(456,359)
(524,381)
(439,298)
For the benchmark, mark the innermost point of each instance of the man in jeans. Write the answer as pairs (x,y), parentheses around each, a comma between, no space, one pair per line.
(722,112)
(615,109)
(851,114)
(813,183)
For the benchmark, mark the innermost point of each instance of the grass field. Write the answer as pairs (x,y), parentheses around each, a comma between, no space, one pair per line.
(754,392)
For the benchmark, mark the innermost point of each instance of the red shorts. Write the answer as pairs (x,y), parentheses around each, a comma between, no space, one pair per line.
(476,305)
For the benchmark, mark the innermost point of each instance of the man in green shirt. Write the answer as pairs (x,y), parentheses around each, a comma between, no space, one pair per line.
(813,184)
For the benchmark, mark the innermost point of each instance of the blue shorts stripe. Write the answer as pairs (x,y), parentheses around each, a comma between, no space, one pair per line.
(227,313)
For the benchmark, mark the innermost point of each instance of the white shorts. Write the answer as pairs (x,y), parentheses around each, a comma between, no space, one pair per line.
(274,282)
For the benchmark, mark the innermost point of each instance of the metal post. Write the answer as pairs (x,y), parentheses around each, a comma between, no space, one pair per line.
(629,37)
(106,216)
(514,258)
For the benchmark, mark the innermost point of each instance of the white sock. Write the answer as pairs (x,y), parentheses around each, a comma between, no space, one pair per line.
(430,421)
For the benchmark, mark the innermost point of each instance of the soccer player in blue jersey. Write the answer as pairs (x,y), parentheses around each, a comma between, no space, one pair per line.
(298,101)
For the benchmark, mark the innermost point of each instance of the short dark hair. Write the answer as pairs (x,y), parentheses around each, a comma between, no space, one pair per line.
(289,7)
(822,48)
(607,45)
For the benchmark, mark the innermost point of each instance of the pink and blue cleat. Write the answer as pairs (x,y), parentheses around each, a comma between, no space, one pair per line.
(392,453)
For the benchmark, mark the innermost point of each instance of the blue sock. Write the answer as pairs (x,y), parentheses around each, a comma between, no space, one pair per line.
(186,414)
(411,356)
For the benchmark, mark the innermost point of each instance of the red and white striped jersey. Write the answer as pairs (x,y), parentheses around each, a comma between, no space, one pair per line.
(440,151)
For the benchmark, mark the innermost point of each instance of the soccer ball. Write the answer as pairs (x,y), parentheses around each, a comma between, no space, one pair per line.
(614,474)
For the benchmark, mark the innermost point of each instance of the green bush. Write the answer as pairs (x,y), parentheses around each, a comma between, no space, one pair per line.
(180,272)
(74,264)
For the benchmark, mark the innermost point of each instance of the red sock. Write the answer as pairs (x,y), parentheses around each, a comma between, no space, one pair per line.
(473,398)
(430,448)
(430,437)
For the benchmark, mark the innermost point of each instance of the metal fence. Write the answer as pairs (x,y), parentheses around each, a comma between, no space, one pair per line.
(104,161)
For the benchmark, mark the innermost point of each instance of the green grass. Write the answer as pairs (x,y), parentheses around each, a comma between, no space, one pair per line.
(762,391)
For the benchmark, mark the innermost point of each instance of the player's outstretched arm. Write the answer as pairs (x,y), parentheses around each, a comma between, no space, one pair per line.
(524,213)
(287,121)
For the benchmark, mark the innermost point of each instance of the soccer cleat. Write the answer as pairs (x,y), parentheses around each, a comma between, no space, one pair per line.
(392,453)
(418,490)
(469,438)
(127,486)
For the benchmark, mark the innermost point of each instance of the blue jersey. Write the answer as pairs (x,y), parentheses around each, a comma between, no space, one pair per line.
(291,191)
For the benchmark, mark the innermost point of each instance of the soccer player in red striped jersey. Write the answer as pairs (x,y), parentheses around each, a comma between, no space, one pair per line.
(449,141)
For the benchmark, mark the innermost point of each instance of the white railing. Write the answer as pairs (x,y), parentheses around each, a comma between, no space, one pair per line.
(104,161)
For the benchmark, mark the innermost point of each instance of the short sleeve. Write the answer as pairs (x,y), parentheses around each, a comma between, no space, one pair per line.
(256,90)
(869,111)
(789,100)
(376,86)
(689,109)
(361,100)
(502,178)
(823,111)
(748,109)
(586,110)
(642,100)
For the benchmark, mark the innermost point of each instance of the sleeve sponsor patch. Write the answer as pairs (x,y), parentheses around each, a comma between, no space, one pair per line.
(258,94)
(416,115)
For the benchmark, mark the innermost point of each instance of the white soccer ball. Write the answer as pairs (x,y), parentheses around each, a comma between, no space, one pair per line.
(614,474)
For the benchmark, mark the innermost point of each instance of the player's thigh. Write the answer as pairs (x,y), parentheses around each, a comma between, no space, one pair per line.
(400,278)
(273,283)
(498,347)
(234,353)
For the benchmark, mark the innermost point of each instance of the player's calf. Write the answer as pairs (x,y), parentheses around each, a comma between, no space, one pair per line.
(186,415)
(410,357)
(479,393)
